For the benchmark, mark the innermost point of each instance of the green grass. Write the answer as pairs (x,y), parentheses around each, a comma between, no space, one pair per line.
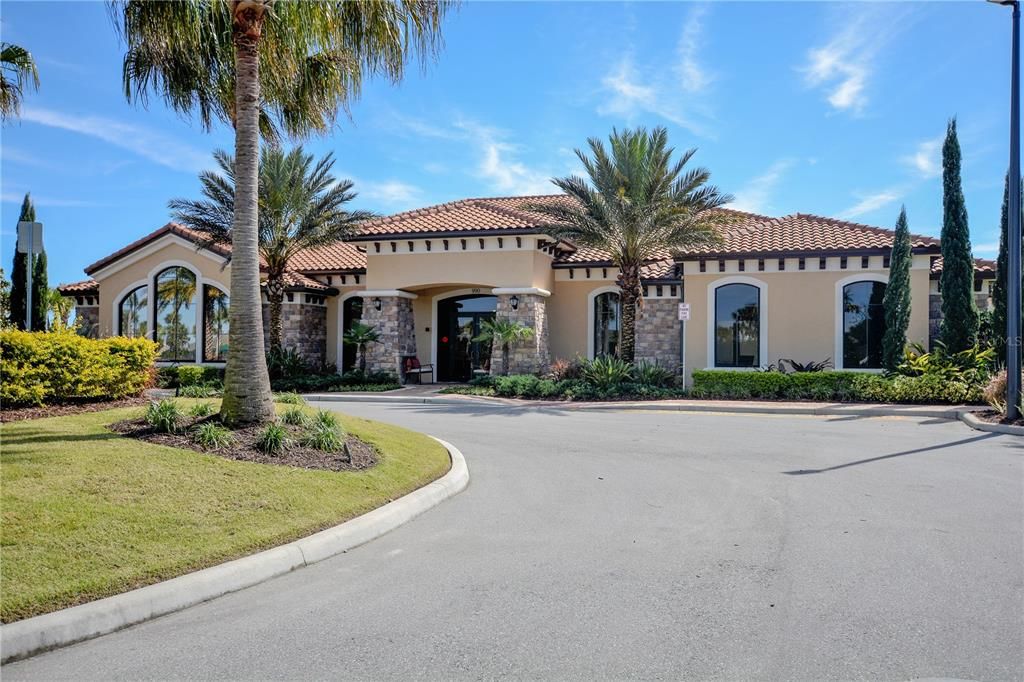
(486,391)
(87,513)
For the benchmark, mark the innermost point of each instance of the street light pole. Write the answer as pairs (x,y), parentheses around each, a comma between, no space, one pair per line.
(1013,280)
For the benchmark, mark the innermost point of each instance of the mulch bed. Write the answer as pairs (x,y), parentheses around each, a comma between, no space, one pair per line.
(361,455)
(32,412)
(993,417)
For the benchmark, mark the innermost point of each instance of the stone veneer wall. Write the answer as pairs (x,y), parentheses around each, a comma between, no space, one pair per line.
(394,322)
(657,332)
(303,329)
(981,300)
(88,319)
(532,355)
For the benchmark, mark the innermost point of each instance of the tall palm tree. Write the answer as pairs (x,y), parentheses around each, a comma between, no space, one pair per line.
(301,207)
(639,205)
(17,70)
(264,66)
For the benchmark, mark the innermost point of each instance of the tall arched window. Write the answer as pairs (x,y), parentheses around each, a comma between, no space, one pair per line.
(133,313)
(863,325)
(607,313)
(175,323)
(737,326)
(215,324)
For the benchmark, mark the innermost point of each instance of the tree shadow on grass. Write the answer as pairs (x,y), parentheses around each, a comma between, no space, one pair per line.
(940,446)
(33,437)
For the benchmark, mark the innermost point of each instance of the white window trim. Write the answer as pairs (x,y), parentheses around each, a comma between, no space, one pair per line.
(762,323)
(590,314)
(479,291)
(837,312)
(340,359)
(151,248)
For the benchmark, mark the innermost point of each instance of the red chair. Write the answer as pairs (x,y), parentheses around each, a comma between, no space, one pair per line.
(413,368)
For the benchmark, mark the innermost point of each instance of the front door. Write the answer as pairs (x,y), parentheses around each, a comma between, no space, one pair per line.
(459,321)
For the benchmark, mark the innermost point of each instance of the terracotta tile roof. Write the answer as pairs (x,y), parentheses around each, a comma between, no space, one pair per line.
(170,228)
(982,267)
(338,257)
(297,280)
(86,287)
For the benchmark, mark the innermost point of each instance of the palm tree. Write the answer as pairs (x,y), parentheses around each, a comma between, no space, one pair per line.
(638,206)
(18,70)
(361,335)
(504,333)
(264,66)
(301,207)
(61,307)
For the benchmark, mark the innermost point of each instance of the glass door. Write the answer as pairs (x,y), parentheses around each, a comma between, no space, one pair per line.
(459,321)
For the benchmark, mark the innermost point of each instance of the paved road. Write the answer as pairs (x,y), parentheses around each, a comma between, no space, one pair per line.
(643,545)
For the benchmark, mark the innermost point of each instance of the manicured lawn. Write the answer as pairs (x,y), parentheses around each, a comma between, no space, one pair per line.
(87,513)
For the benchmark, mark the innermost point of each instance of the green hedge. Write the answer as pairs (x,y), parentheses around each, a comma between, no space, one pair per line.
(52,367)
(832,386)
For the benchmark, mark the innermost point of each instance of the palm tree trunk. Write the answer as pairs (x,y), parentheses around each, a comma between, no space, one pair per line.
(504,359)
(275,294)
(362,359)
(247,396)
(629,283)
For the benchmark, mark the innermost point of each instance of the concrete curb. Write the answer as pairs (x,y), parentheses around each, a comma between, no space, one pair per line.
(383,398)
(971,420)
(86,621)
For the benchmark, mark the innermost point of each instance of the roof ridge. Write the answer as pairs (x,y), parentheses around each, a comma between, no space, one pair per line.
(851,223)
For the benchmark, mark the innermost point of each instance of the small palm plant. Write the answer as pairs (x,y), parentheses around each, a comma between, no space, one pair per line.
(361,335)
(504,333)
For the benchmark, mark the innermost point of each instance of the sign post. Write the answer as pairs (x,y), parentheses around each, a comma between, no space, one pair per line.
(30,241)
(684,316)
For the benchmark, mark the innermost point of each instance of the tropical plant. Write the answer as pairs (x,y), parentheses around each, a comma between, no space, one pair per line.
(264,66)
(283,363)
(327,419)
(321,437)
(60,308)
(638,205)
(289,398)
(212,436)
(301,206)
(972,366)
(361,335)
(896,301)
(959,312)
(273,439)
(201,410)
(164,416)
(295,416)
(19,273)
(503,333)
(795,366)
(607,371)
(653,374)
(18,72)
(561,369)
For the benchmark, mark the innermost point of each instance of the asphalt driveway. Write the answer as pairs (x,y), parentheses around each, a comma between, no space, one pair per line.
(598,544)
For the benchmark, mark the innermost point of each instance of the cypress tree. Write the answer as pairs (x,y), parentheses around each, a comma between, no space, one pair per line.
(897,296)
(999,288)
(20,271)
(40,294)
(959,312)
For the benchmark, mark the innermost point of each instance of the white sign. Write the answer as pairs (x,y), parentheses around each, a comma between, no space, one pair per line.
(684,312)
(30,237)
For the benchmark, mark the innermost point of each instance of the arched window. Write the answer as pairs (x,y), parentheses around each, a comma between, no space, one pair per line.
(175,323)
(607,312)
(863,325)
(737,326)
(215,324)
(133,313)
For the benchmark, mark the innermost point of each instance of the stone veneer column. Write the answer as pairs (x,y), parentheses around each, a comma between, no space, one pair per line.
(303,326)
(533,355)
(396,326)
(657,332)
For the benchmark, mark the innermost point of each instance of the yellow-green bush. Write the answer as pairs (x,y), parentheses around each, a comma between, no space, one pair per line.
(37,368)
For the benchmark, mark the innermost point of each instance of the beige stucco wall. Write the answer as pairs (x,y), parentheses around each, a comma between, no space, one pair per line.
(414,271)
(115,284)
(801,312)
(568,310)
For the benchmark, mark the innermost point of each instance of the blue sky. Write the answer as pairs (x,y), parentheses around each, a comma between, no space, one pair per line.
(835,109)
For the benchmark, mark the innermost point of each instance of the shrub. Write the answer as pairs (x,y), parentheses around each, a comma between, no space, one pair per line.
(211,436)
(53,367)
(201,410)
(972,366)
(994,392)
(320,436)
(524,386)
(286,363)
(606,371)
(273,439)
(327,419)
(164,416)
(289,398)
(564,370)
(190,375)
(295,416)
(653,374)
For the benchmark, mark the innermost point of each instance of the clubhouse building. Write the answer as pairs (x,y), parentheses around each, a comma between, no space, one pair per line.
(800,286)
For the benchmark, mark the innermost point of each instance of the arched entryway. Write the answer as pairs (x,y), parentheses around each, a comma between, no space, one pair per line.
(459,320)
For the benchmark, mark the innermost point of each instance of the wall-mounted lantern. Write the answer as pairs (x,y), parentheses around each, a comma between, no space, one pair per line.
(514,302)
(377,304)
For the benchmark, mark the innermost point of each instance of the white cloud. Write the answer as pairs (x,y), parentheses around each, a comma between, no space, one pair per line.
(150,144)
(694,77)
(755,196)
(390,192)
(986,250)
(498,164)
(927,158)
(872,202)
